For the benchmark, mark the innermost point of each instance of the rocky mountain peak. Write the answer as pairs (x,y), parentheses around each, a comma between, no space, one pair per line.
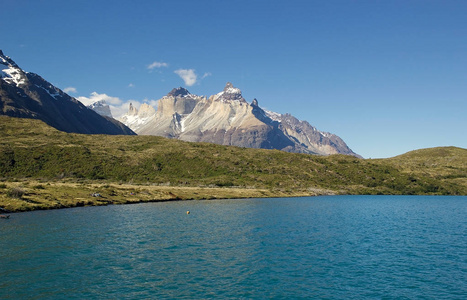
(7,61)
(230,89)
(28,95)
(101,107)
(132,111)
(230,93)
(227,119)
(146,111)
(10,72)
(179,92)
(98,103)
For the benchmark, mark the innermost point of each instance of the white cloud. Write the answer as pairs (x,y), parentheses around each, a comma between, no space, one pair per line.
(70,89)
(188,75)
(206,75)
(118,107)
(131,85)
(157,64)
(97,97)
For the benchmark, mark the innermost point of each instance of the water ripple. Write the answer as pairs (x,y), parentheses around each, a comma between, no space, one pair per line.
(343,247)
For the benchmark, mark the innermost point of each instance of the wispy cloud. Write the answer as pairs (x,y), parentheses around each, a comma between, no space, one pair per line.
(131,85)
(70,89)
(157,64)
(188,75)
(206,75)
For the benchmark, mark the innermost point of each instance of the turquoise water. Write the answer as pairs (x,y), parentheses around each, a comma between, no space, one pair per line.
(334,247)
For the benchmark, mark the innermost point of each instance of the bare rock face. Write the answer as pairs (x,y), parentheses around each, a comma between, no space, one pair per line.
(136,119)
(101,107)
(146,111)
(132,111)
(230,93)
(227,119)
(311,139)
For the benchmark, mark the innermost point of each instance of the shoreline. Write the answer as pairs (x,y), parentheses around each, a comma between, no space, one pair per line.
(16,197)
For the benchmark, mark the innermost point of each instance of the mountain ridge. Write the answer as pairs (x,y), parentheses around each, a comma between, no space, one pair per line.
(28,95)
(226,118)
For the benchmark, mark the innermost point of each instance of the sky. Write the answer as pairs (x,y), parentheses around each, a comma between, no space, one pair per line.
(387,77)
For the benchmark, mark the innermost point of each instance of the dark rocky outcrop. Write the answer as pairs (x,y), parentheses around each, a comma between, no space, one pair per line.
(28,95)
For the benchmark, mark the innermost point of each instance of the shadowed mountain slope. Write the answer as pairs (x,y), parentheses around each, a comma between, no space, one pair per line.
(28,95)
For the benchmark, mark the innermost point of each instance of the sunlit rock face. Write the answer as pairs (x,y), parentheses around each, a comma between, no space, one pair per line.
(228,119)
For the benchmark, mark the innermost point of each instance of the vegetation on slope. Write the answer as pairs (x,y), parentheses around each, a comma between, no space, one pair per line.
(31,150)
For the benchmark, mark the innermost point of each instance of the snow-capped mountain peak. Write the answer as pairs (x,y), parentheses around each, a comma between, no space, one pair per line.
(226,118)
(230,93)
(10,72)
(28,95)
(179,92)
(101,107)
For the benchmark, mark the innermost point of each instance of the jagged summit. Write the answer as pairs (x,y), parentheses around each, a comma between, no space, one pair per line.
(101,107)
(132,111)
(10,72)
(230,93)
(146,111)
(6,60)
(227,119)
(179,92)
(230,89)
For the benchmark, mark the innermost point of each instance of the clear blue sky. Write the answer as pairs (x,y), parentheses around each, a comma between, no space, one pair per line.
(386,76)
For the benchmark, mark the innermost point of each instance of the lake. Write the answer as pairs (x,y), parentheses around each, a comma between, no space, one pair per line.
(333,247)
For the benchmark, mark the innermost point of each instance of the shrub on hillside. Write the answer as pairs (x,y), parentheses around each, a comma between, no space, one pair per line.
(16,193)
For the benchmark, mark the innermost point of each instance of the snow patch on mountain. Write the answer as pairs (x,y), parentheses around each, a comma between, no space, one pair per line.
(135,121)
(229,94)
(136,118)
(273,115)
(10,72)
(28,95)
(226,118)
(53,95)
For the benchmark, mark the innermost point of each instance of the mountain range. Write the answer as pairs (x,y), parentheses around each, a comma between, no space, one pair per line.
(225,118)
(28,95)
(228,119)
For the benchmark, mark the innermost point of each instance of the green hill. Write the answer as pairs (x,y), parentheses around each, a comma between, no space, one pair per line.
(32,151)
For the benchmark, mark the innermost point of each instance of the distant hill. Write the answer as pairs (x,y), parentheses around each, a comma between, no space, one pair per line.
(447,164)
(28,95)
(227,119)
(31,149)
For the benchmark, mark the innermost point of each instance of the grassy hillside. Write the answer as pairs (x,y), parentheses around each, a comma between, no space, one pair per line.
(447,165)
(31,151)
